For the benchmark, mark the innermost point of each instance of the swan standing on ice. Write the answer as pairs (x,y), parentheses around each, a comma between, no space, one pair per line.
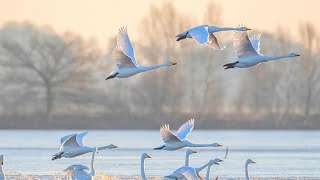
(191,173)
(78,171)
(249,161)
(143,173)
(248,51)
(177,141)
(188,153)
(71,146)
(2,177)
(204,34)
(123,53)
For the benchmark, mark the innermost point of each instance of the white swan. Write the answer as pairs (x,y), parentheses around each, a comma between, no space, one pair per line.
(177,141)
(71,146)
(248,51)
(78,171)
(188,153)
(2,176)
(249,161)
(191,173)
(204,34)
(123,53)
(143,173)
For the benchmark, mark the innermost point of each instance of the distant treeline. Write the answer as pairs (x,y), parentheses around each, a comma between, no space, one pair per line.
(52,80)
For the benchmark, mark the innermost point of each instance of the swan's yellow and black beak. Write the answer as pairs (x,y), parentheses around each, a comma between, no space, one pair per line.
(56,156)
(253,162)
(194,151)
(147,156)
(216,163)
(173,63)
(114,146)
(296,54)
(219,145)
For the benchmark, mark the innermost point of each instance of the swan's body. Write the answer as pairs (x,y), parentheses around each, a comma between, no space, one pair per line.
(177,141)
(2,176)
(78,171)
(72,146)
(123,53)
(204,34)
(191,173)
(188,153)
(249,161)
(143,173)
(248,51)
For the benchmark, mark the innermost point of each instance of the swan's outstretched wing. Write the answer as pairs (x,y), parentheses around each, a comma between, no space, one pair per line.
(200,34)
(188,172)
(124,44)
(242,44)
(167,135)
(185,129)
(255,41)
(71,142)
(66,137)
(121,58)
(80,137)
(213,42)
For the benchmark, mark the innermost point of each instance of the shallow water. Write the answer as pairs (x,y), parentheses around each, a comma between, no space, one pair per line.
(282,154)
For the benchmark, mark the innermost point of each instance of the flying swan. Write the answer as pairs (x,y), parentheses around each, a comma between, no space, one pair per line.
(71,146)
(204,34)
(78,171)
(248,51)
(123,53)
(177,141)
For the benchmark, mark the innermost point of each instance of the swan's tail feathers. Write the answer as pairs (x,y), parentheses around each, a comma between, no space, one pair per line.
(159,148)
(182,36)
(230,65)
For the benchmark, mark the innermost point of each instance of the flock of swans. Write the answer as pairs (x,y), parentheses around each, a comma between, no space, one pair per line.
(248,52)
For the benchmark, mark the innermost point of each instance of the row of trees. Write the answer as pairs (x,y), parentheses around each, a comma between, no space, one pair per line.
(56,80)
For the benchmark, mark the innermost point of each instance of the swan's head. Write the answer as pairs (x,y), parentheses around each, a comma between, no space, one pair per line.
(112,146)
(189,151)
(215,161)
(293,55)
(249,161)
(216,145)
(57,156)
(170,63)
(1,159)
(244,28)
(113,74)
(145,155)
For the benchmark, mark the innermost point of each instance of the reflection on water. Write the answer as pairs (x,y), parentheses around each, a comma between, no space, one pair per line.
(277,153)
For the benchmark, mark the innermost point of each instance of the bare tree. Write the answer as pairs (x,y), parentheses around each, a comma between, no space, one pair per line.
(42,60)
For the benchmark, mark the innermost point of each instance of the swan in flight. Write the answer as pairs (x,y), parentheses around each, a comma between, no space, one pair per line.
(78,171)
(177,141)
(71,146)
(2,177)
(123,53)
(188,153)
(143,173)
(191,173)
(248,51)
(249,161)
(204,34)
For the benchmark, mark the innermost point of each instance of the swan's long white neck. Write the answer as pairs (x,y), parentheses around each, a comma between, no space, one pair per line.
(208,173)
(201,145)
(216,29)
(148,68)
(270,58)
(104,147)
(143,173)
(92,160)
(202,167)
(246,169)
(187,160)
